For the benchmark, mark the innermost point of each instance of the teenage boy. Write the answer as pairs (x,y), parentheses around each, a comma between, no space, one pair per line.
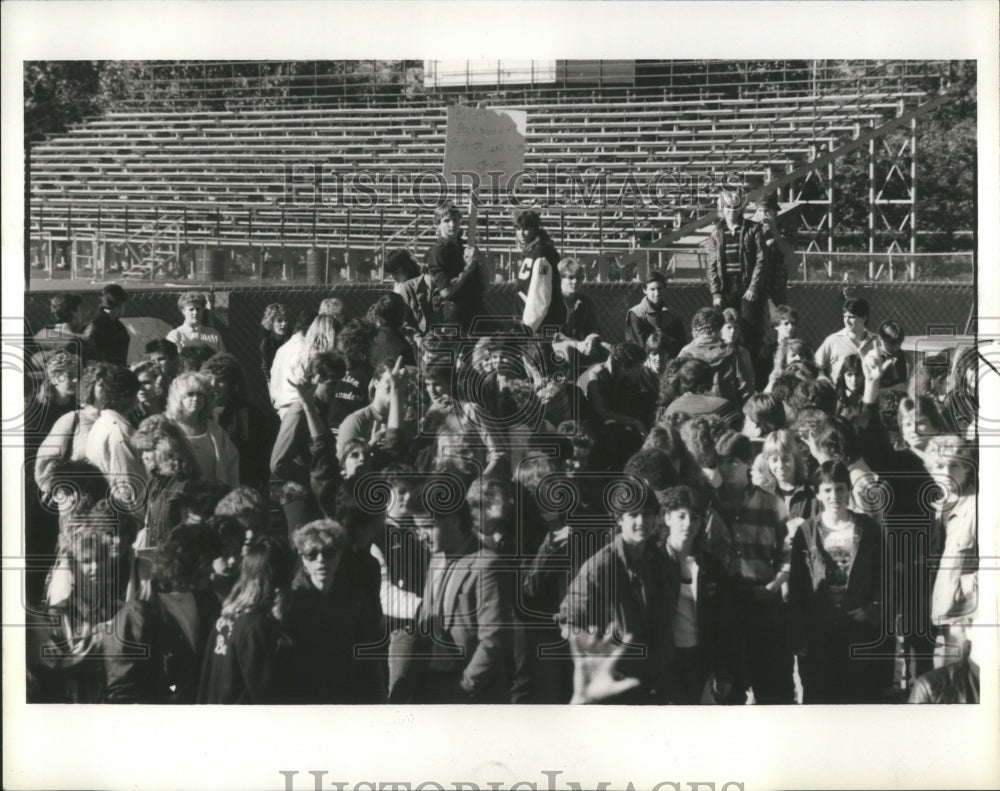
(628,589)
(736,266)
(651,314)
(854,338)
(192,305)
(773,357)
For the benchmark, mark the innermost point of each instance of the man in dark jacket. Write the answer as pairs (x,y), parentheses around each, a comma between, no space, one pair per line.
(736,266)
(105,330)
(628,589)
(651,314)
(733,379)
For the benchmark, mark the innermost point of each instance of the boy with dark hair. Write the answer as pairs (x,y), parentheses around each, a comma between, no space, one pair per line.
(608,393)
(894,368)
(193,356)
(732,375)
(854,338)
(695,379)
(105,330)
(629,589)
(773,357)
(651,314)
(702,622)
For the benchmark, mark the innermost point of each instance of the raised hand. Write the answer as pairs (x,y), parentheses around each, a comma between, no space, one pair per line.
(594,661)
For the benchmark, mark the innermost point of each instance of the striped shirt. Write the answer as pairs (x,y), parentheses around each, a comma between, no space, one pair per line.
(759,549)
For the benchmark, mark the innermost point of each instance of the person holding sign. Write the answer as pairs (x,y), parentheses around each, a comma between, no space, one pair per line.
(538,276)
(454,268)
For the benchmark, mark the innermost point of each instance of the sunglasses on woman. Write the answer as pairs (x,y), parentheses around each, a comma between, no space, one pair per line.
(327,553)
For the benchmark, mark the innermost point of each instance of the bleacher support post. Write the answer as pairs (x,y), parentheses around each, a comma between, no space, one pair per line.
(313,272)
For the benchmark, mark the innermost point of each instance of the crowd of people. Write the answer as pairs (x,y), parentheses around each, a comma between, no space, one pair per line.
(441,506)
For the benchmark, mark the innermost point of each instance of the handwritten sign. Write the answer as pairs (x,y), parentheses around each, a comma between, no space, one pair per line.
(483,141)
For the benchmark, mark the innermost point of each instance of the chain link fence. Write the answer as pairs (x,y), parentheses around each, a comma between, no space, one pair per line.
(237,311)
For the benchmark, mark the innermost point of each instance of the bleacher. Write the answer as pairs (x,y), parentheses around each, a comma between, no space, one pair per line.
(263,178)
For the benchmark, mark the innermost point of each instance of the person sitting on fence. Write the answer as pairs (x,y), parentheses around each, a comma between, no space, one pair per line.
(854,338)
(422,312)
(105,330)
(651,314)
(193,305)
(731,373)
(580,331)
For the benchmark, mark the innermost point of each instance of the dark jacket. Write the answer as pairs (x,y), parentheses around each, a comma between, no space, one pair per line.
(733,378)
(421,311)
(644,319)
(253,434)
(605,595)
(327,631)
(717,630)
(158,648)
(811,608)
(957,682)
(445,261)
(581,318)
(110,336)
(752,263)
(247,660)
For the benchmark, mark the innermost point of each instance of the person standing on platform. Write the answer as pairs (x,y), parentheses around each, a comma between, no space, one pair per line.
(454,268)
(538,281)
(736,265)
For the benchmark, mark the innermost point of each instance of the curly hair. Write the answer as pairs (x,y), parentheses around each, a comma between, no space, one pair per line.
(388,310)
(227,366)
(707,321)
(57,363)
(677,497)
(323,532)
(92,374)
(697,437)
(653,466)
(355,340)
(120,389)
(182,560)
(180,386)
(193,356)
(272,313)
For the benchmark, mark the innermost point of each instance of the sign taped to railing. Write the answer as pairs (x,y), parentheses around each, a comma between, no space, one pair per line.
(484,141)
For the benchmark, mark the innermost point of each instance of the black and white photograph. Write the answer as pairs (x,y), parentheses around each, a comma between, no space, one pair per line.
(418,399)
